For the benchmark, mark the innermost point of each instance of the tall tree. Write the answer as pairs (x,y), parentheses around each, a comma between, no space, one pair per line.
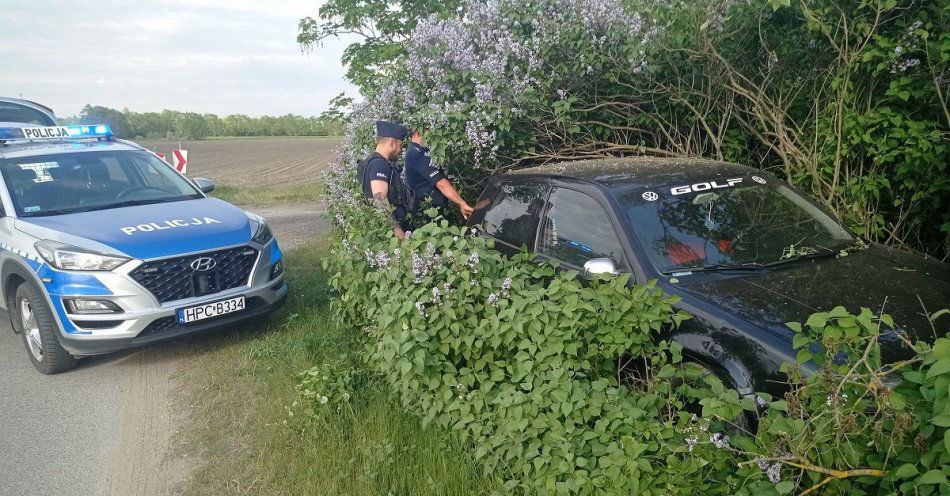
(382,25)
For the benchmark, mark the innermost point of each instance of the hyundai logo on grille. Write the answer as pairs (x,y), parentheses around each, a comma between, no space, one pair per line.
(202,264)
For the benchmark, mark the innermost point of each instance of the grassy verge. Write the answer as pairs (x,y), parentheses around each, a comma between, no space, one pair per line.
(241,395)
(306,192)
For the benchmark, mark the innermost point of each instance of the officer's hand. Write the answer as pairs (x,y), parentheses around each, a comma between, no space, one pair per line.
(466,210)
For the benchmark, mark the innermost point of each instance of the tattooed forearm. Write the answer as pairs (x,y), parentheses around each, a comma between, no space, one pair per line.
(382,203)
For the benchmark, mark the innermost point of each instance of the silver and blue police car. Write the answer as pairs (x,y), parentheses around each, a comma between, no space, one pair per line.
(104,246)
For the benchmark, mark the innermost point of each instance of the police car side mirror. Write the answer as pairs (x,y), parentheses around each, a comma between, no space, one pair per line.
(599,266)
(205,185)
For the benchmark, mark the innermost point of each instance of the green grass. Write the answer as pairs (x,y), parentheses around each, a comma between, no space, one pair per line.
(269,195)
(241,395)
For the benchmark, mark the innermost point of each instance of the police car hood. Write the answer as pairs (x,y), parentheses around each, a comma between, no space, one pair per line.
(147,231)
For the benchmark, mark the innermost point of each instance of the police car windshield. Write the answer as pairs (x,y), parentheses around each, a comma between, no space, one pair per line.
(733,224)
(65,183)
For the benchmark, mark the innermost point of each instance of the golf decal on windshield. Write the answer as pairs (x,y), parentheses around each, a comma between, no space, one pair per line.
(681,190)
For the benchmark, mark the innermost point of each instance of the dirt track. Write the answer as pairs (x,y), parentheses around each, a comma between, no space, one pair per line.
(254,161)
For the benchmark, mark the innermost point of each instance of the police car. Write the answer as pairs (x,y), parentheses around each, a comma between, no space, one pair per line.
(104,246)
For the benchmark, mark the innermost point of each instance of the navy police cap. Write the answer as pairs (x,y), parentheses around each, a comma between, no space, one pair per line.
(386,129)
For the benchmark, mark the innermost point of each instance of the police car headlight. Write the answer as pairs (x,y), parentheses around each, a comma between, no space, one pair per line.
(65,257)
(259,227)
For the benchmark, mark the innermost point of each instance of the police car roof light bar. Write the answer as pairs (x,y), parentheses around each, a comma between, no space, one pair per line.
(40,133)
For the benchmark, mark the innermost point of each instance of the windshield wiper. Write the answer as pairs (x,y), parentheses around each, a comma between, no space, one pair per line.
(825,252)
(44,213)
(715,268)
(132,203)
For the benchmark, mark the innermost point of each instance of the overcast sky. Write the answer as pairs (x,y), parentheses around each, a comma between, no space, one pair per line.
(218,56)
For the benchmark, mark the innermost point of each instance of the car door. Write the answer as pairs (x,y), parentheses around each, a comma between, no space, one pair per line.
(576,228)
(511,218)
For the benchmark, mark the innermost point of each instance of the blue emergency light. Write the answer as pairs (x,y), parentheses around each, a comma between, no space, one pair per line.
(55,132)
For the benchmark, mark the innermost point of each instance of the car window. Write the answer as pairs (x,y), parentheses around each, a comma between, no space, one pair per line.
(77,182)
(513,215)
(12,112)
(756,222)
(576,229)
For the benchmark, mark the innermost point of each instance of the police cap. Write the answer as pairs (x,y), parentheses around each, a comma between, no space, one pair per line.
(386,129)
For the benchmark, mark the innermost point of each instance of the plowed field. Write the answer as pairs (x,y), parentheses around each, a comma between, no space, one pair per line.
(254,161)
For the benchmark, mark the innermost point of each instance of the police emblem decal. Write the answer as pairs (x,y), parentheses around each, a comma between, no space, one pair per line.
(202,264)
(758,179)
(650,196)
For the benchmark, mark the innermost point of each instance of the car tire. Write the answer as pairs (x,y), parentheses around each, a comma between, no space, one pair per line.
(34,321)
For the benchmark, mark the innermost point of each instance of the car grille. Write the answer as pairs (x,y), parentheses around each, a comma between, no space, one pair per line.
(173,279)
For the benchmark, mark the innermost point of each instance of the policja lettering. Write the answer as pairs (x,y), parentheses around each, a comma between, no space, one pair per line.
(169,224)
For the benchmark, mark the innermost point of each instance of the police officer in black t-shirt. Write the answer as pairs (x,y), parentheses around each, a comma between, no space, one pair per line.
(428,180)
(380,176)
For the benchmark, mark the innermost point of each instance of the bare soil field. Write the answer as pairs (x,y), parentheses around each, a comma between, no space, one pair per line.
(254,161)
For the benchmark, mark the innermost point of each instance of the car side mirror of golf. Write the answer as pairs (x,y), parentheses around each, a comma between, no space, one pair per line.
(205,185)
(599,266)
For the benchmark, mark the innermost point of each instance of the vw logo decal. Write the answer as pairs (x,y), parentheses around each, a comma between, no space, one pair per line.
(758,179)
(650,196)
(202,264)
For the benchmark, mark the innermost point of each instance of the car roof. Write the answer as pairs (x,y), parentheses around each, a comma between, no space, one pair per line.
(22,149)
(624,173)
(33,105)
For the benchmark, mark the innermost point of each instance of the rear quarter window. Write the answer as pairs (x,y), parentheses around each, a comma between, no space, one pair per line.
(513,214)
(12,112)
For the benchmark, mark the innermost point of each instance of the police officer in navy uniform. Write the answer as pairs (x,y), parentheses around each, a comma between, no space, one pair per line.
(428,180)
(381,178)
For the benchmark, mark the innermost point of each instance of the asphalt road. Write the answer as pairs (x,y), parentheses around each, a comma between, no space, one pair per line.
(106,427)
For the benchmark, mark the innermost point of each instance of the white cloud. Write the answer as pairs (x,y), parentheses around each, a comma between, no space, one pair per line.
(220,56)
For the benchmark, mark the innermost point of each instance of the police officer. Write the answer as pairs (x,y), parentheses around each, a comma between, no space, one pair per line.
(381,178)
(429,181)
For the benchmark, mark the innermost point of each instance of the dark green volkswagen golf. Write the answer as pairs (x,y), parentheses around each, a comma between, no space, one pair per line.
(745,252)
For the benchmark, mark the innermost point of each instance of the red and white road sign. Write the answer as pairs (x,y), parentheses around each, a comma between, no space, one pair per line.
(160,155)
(180,160)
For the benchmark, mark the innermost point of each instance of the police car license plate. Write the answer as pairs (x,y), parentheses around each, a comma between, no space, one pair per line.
(208,310)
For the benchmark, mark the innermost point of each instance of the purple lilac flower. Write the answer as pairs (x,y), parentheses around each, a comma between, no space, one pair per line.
(493,299)
(720,440)
(691,443)
(421,307)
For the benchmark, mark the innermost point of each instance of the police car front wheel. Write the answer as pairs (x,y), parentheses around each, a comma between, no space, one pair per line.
(34,321)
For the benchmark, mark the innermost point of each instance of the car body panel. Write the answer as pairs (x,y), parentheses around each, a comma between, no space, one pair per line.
(160,229)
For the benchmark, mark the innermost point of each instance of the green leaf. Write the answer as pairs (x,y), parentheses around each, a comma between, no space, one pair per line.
(785,487)
(906,471)
(817,320)
(932,477)
(941,421)
(939,367)
(800,341)
(803,356)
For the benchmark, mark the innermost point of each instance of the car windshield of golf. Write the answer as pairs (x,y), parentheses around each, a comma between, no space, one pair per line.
(81,182)
(732,228)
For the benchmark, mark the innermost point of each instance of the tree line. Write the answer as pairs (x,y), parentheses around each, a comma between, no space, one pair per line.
(172,124)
